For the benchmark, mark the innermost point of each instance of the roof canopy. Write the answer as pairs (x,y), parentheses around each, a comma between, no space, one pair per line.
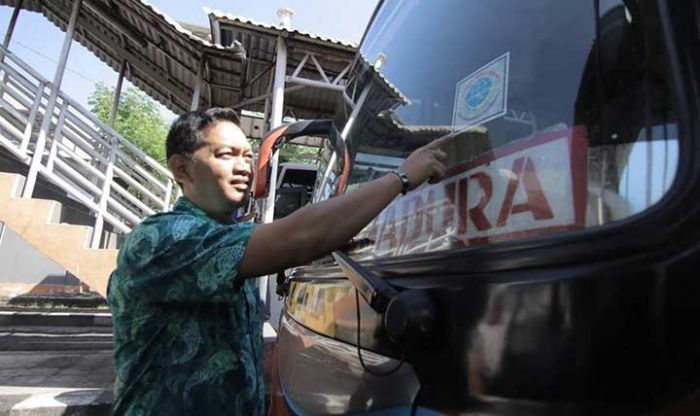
(259,40)
(165,59)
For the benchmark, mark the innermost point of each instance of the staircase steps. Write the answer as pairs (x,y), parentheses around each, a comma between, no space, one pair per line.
(55,363)
(36,220)
(55,331)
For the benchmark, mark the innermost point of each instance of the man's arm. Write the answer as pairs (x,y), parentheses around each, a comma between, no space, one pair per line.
(318,229)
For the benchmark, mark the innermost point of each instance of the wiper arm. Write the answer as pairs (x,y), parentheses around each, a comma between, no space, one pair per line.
(410,317)
(376,292)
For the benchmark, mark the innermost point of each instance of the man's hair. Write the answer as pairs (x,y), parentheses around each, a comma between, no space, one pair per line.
(185,135)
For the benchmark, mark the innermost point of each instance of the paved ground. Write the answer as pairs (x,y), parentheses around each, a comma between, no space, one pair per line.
(55,364)
(47,383)
(55,369)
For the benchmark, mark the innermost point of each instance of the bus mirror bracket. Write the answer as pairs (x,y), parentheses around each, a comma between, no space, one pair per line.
(273,141)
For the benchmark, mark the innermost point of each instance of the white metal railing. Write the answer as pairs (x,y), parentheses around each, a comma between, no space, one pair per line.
(85,157)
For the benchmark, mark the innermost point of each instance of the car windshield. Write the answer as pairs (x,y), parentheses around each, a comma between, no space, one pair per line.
(560,115)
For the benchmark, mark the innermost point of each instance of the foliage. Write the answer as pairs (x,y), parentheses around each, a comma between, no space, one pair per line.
(138,118)
(295,153)
(140,122)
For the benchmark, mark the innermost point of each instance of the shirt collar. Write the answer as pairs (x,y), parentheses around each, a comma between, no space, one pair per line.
(185,205)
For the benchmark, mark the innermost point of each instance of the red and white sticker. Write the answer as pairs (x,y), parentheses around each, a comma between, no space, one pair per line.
(527,188)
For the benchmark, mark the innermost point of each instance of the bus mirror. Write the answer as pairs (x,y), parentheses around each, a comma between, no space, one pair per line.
(272,143)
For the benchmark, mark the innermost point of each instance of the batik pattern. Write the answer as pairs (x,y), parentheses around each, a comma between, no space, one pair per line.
(187,331)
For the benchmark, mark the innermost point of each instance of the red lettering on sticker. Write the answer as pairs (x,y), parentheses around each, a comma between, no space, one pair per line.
(403,222)
(477,213)
(372,230)
(448,207)
(417,219)
(429,213)
(524,171)
(463,186)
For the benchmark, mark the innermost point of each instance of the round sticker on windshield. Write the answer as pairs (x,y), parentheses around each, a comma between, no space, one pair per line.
(482,96)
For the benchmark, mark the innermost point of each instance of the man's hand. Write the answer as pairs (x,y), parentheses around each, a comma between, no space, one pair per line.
(425,163)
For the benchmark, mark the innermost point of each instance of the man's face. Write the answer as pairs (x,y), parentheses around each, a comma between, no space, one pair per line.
(220,172)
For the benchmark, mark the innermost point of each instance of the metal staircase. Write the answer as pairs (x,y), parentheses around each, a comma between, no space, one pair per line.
(83,157)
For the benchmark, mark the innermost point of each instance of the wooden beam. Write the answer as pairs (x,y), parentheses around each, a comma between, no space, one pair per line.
(117,94)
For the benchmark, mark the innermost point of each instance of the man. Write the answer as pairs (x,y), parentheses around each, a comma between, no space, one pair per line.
(187,323)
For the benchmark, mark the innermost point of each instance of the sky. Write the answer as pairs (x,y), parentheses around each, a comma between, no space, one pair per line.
(38,42)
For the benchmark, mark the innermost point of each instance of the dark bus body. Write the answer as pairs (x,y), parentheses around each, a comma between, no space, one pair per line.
(555,270)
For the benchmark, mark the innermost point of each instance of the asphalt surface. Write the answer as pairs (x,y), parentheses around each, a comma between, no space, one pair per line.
(60,363)
(27,370)
(55,364)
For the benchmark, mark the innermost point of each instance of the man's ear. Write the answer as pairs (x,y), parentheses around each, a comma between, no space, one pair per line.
(178,165)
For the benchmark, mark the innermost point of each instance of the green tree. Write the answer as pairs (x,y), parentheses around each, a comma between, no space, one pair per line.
(292,152)
(138,118)
(296,153)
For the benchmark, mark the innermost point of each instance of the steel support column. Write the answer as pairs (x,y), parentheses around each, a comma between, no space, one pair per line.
(11,25)
(50,104)
(279,83)
(111,158)
(266,117)
(6,41)
(343,135)
(118,93)
(275,121)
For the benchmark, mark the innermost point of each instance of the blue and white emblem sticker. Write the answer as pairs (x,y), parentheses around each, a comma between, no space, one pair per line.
(483,95)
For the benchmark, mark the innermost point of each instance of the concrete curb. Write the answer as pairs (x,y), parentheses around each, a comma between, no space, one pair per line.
(26,318)
(21,318)
(19,399)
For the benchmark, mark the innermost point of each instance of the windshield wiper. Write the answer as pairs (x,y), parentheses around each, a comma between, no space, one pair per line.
(376,292)
(410,316)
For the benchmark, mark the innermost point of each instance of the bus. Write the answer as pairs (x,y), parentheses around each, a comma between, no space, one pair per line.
(553,272)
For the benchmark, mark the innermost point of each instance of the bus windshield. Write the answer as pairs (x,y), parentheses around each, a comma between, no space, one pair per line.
(560,115)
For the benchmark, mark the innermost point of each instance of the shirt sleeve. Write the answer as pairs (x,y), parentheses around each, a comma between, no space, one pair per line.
(185,259)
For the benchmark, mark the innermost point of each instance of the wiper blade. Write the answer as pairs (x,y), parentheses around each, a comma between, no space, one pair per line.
(376,292)
(410,316)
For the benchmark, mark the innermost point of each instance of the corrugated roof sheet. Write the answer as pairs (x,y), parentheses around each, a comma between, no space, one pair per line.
(164,56)
(218,14)
(260,43)
(175,25)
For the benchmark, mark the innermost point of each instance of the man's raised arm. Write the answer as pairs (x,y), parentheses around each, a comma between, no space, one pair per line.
(320,228)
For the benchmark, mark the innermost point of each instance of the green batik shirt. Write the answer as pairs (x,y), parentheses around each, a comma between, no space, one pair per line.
(187,330)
